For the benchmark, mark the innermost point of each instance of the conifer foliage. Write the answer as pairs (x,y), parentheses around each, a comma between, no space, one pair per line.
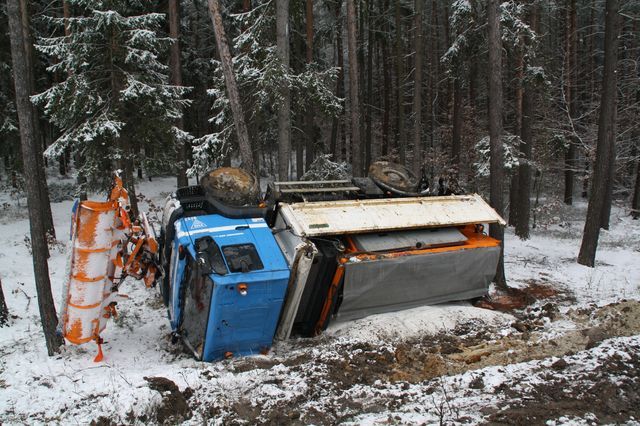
(115,103)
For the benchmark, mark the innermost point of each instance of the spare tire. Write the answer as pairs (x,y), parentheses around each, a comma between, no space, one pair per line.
(231,185)
(393,176)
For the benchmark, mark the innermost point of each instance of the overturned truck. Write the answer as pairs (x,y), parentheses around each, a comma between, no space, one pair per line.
(237,270)
(237,276)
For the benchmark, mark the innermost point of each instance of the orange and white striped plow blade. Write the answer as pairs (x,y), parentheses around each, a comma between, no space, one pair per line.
(90,293)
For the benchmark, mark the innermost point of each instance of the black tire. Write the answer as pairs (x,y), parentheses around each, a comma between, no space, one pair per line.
(393,177)
(231,185)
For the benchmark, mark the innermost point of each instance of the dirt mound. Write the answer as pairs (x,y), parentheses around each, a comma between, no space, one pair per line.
(586,394)
(425,361)
(514,299)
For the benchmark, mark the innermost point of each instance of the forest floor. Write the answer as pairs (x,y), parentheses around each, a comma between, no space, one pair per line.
(562,347)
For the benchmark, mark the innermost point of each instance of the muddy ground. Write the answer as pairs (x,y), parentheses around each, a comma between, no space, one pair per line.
(553,363)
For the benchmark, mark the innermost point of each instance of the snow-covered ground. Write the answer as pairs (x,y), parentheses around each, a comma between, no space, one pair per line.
(570,356)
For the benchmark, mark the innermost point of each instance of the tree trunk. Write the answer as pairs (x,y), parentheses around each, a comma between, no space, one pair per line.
(354,90)
(635,203)
(127,166)
(606,205)
(495,129)
(310,153)
(595,28)
(175,72)
(386,85)
(369,109)
(30,154)
(417,89)
(473,82)
(456,133)
(519,93)
(335,123)
(242,134)
(125,161)
(284,108)
(606,125)
(523,199)
(433,99)
(4,311)
(570,99)
(43,190)
(401,141)
(299,119)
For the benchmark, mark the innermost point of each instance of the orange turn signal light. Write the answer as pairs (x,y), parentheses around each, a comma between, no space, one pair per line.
(242,288)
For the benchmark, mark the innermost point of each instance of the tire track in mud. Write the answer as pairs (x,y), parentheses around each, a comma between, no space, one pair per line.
(333,370)
(461,354)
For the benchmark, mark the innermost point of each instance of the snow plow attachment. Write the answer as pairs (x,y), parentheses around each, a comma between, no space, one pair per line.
(99,259)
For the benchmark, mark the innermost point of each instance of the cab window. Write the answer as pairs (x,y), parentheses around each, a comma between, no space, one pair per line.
(242,258)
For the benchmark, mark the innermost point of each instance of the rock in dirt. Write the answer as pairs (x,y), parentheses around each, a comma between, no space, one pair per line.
(595,336)
(102,421)
(521,326)
(560,364)
(174,407)
(477,383)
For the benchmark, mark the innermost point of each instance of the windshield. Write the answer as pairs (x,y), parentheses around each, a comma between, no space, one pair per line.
(242,258)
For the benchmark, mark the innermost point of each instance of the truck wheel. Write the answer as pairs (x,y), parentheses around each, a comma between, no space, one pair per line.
(231,185)
(394,176)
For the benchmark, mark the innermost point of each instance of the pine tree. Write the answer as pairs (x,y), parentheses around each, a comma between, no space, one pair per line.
(284,106)
(30,154)
(9,134)
(116,91)
(261,75)
(606,139)
(495,127)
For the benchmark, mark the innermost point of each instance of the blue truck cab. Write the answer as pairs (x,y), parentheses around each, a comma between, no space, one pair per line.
(225,284)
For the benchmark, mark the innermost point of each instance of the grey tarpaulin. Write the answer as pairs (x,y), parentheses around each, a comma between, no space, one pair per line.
(410,238)
(393,284)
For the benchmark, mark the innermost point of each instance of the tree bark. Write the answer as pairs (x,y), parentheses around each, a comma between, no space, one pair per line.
(570,98)
(43,190)
(354,90)
(523,199)
(335,123)
(310,152)
(386,85)
(519,94)
(284,108)
(175,72)
(30,154)
(4,311)
(495,129)
(242,134)
(369,108)
(635,203)
(606,125)
(417,88)
(606,205)
(401,141)
(456,133)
